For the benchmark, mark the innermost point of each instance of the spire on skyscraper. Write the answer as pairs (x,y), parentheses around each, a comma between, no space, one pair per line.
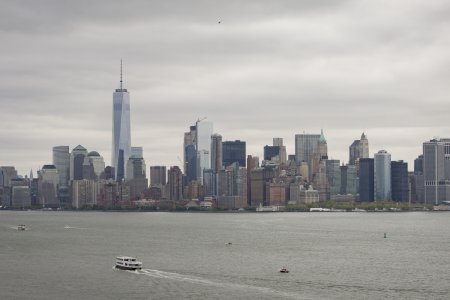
(121,74)
(322,136)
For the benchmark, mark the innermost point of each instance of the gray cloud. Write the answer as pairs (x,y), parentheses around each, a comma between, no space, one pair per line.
(270,68)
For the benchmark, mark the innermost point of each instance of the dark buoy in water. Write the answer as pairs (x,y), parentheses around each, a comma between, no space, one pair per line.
(385,235)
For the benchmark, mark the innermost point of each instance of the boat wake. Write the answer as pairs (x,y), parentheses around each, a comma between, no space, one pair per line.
(203,281)
(71,227)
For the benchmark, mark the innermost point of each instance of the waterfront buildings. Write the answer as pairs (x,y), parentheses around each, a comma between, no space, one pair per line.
(121,133)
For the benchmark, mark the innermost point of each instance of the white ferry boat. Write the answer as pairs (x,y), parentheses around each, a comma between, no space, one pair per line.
(21,227)
(128,263)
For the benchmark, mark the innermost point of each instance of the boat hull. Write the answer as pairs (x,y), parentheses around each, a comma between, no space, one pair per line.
(128,268)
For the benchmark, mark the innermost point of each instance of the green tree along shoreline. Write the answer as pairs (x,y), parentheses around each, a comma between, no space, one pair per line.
(342,206)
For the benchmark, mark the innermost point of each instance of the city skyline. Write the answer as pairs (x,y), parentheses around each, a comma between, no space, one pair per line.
(267,70)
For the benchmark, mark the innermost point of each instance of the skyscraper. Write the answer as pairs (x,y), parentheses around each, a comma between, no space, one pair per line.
(305,145)
(216,152)
(366,179)
(399,178)
(382,175)
(359,149)
(76,162)
(203,146)
(175,182)
(436,171)
(190,154)
(234,151)
(121,134)
(48,186)
(157,175)
(333,176)
(61,160)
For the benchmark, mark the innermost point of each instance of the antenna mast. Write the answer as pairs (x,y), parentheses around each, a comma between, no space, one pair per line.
(121,74)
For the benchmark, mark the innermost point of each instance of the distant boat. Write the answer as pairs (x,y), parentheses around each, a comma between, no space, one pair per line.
(21,227)
(128,263)
(284,270)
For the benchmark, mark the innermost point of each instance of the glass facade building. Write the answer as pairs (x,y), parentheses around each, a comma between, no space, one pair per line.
(305,146)
(61,160)
(121,134)
(382,175)
(234,152)
(399,177)
(366,179)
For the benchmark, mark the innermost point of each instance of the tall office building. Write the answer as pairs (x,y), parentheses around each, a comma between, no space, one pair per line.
(136,168)
(252,164)
(157,175)
(320,153)
(216,152)
(190,154)
(333,176)
(121,134)
(418,165)
(272,153)
(366,180)
(7,173)
(359,149)
(436,171)
(305,146)
(278,142)
(382,175)
(209,182)
(349,180)
(400,181)
(97,164)
(77,157)
(234,152)
(48,180)
(203,146)
(175,183)
(137,152)
(61,160)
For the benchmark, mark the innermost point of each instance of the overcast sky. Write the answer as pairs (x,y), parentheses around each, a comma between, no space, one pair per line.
(268,69)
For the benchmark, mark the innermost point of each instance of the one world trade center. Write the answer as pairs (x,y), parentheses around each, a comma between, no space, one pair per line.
(121,134)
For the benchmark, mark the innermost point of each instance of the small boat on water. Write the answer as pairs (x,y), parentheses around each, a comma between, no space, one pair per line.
(21,227)
(128,263)
(284,270)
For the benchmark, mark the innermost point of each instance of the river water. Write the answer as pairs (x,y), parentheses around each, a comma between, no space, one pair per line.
(70,255)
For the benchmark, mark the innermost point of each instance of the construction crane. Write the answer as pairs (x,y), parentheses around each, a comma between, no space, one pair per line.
(199,120)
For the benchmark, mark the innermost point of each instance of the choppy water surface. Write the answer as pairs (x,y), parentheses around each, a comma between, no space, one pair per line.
(70,255)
